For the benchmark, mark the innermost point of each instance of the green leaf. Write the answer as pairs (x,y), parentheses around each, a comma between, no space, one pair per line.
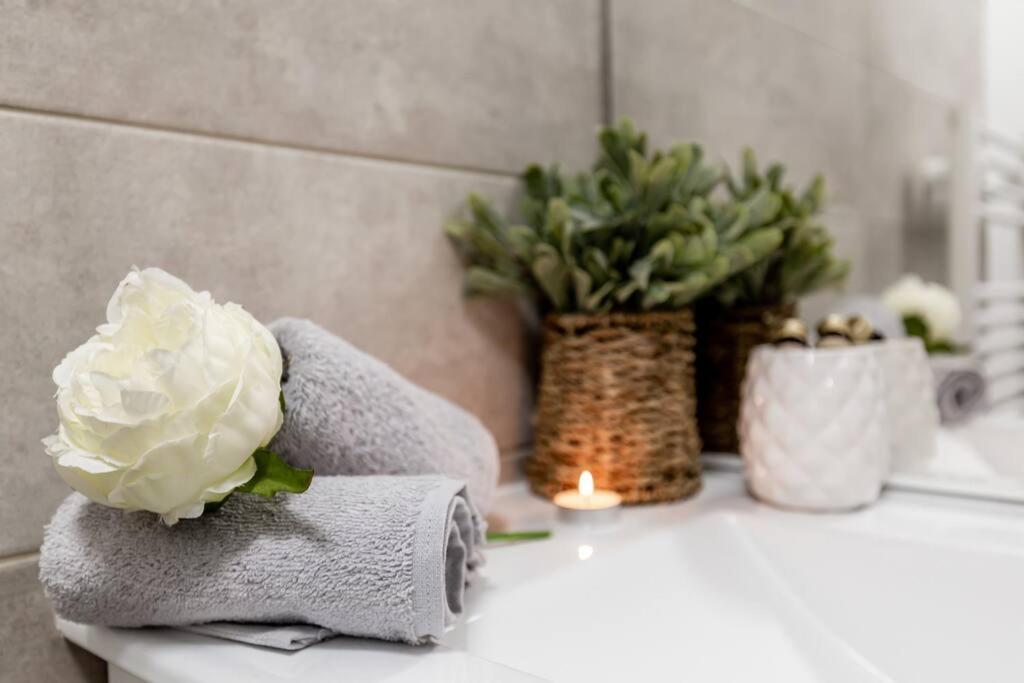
(916,327)
(674,218)
(763,207)
(274,475)
(581,282)
(627,290)
(558,217)
(484,214)
(752,248)
(458,230)
(521,240)
(814,196)
(596,263)
(664,251)
(536,182)
(941,347)
(597,299)
(480,280)
(657,294)
(694,251)
(638,170)
(640,271)
(551,274)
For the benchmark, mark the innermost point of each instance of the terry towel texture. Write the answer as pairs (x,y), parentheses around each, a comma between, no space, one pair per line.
(379,557)
(349,413)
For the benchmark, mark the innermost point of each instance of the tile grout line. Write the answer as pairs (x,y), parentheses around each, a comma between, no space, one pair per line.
(801,32)
(607,63)
(863,61)
(16,558)
(228,138)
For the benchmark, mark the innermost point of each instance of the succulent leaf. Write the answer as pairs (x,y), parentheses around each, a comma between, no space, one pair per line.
(482,281)
(551,273)
(799,263)
(645,230)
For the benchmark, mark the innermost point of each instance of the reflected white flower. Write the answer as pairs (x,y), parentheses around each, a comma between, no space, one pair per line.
(936,305)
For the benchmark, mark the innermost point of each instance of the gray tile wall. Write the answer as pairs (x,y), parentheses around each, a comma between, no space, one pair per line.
(32,649)
(862,90)
(301,158)
(484,85)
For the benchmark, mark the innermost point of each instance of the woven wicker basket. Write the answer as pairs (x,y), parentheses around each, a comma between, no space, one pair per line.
(617,398)
(724,342)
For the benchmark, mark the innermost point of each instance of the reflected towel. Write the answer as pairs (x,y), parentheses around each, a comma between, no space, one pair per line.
(378,557)
(349,413)
(959,387)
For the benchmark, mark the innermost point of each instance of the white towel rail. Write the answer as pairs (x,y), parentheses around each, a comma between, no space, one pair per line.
(988,226)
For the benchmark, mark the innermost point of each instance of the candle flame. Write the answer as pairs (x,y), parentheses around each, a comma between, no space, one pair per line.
(586,483)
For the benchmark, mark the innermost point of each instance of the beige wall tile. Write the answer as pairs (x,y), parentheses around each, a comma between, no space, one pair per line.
(485,85)
(32,650)
(840,24)
(909,131)
(356,245)
(851,242)
(512,465)
(933,44)
(720,74)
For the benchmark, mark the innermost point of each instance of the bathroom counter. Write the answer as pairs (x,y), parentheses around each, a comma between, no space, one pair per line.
(719,588)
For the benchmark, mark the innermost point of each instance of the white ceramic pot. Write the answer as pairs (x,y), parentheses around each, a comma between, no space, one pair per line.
(813,432)
(910,399)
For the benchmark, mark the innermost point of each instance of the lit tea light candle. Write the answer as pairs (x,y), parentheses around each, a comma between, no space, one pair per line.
(585,505)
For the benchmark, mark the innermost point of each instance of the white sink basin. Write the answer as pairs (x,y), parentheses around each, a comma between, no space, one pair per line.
(717,589)
(916,610)
(694,602)
(914,589)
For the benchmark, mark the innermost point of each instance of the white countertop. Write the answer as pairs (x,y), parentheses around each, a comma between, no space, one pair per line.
(719,588)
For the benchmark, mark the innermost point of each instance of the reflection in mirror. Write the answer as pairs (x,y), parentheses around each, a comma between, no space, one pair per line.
(978,372)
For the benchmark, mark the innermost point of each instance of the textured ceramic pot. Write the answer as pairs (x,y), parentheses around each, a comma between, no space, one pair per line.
(813,431)
(910,397)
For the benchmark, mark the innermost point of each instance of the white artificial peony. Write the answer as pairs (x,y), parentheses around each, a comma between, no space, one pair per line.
(163,408)
(934,304)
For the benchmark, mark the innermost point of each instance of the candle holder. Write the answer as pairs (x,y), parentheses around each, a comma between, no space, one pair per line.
(813,429)
(587,506)
(617,398)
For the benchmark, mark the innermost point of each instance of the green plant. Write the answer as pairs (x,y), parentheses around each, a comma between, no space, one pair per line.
(637,232)
(805,262)
(916,326)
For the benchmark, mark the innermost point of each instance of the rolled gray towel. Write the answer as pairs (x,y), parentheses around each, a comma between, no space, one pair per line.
(378,557)
(960,388)
(349,413)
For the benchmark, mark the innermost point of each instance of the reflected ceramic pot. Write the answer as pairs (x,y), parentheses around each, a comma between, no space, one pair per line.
(910,398)
(813,431)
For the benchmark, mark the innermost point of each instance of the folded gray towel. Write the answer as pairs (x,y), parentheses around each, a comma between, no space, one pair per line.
(349,413)
(960,388)
(379,557)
